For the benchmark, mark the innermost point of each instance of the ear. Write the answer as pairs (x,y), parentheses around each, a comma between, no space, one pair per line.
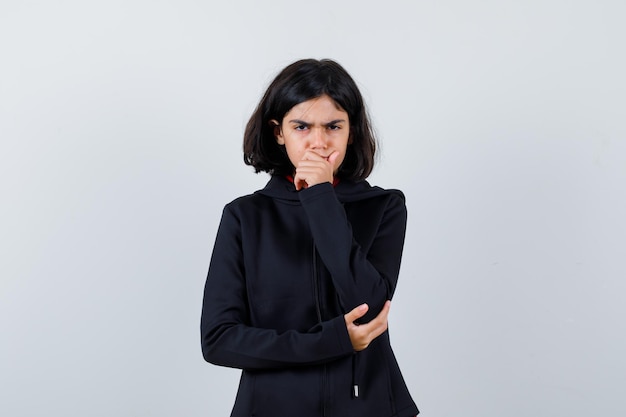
(350,138)
(278,134)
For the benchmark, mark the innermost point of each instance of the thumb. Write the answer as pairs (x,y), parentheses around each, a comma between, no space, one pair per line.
(356,313)
(333,157)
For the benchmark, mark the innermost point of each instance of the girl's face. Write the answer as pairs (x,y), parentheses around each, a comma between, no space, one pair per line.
(318,125)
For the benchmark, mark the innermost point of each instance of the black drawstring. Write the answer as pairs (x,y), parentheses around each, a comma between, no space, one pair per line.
(355,384)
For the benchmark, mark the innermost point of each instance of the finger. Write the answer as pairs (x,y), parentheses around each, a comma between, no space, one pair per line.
(312,166)
(382,315)
(321,153)
(356,313)
(300,184)
(381,326)
(313,172)
(312,156)
(378,331)
(380,323)
(386,309)
(299,181)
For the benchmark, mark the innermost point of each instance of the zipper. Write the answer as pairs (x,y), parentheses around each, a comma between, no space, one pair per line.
(324,386)
(316,294)
(318,311)
(316,287)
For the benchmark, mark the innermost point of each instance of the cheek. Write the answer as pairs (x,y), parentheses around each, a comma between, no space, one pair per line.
(295,153)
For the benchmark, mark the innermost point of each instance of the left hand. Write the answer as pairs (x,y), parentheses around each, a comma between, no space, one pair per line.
(314,169)
(362,335)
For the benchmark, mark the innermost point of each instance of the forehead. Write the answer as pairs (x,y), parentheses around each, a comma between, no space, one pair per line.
(318,107)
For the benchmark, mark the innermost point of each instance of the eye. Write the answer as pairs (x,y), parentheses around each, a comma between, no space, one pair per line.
(300,127)
(333,127)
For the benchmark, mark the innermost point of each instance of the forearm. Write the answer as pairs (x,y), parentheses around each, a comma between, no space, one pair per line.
(360,275)
(242,346)
(229,336)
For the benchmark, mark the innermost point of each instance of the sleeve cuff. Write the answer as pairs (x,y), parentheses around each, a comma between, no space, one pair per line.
(339,323)
(315,192)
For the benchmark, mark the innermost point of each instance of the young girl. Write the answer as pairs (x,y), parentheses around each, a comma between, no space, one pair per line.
(302,271)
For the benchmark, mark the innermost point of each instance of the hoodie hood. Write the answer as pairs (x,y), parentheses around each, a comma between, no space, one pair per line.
(346,191)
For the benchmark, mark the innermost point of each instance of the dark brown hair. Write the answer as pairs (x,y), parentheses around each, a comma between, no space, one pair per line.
(301,81)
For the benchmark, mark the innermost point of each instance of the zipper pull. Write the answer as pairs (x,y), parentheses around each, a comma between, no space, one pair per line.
(355,385)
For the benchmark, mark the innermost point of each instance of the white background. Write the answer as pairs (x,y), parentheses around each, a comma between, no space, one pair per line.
(120,142)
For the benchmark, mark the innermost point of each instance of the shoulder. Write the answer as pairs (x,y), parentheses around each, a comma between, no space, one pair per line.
(348,191)
(246,203)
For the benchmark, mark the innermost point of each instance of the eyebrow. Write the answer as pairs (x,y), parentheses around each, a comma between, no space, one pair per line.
(302,122)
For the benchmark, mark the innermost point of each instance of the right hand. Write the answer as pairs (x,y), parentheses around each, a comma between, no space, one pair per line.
(314,169)
(361,335)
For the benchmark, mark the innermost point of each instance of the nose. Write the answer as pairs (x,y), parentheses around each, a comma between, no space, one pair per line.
(318,138)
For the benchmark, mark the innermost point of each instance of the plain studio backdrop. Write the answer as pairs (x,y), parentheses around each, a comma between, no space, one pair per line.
(502,121)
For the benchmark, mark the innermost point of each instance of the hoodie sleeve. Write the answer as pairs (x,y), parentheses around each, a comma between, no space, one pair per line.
(359,277)
(227,337)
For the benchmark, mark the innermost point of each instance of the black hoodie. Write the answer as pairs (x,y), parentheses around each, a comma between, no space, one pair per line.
(286,266)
